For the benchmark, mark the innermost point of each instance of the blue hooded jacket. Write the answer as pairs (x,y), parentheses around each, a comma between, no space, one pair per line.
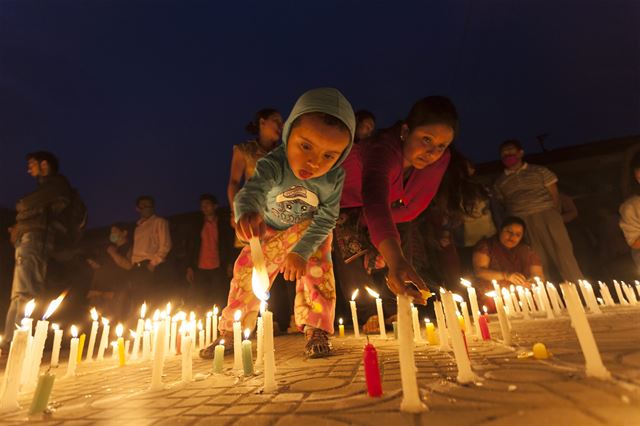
(282,198)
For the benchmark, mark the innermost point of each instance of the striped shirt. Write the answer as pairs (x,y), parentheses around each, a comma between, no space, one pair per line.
(525,191)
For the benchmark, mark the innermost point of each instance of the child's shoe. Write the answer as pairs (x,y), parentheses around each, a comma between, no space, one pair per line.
(318,344)
(209,351)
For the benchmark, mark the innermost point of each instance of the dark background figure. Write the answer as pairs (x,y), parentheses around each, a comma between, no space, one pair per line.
(365,125)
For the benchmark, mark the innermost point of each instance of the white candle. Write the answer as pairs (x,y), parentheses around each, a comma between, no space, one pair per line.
(187,358)
(13,370)
(638,287)
(594,365)
(442,326)
(621,298)
(525,305)
(174,335)
(208,329)
(27,324)
(354,314)
(508,302)
(465,374)
(529,298)
(606,294)
(139,331)
(631,296)
(514,298)
(37,349)
(468,326)
(383,331)
(555,305)
(158,359)
(201,336)
(502,318)
(411,402)
(591,297)
(146,341)
(73,352)
(544,299)
(167,329)
(214,326)
(127,346)
(237,341)
(269,354)
(417,335)
(93,334)
(260,336)
(104,339)
(57,342)
(475,309)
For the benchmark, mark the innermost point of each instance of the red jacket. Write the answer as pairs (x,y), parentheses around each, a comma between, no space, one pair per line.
(374,180)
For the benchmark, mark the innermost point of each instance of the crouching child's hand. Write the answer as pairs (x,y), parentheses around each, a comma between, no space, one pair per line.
(294,267)
(250,225)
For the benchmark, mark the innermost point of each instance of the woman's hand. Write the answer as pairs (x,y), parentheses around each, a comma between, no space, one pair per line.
(250,225)
(400,278)
(516,278)
(294,267)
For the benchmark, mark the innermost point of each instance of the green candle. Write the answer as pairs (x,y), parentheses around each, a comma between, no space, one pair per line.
(247,356)
(42,393)
(395,330)
(218,359)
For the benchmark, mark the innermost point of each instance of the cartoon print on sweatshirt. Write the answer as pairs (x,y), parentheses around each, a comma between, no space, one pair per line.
(295,205)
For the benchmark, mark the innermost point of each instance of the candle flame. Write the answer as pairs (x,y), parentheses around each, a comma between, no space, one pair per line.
(180,316)
(372,293)
(494,282)
(168,308)
(199,324)
(512,288)
(55,327)
(133,334)
(484,308)
(28,310)
(215,310)
(147,325)
(537,279)
(491,293)
(74,331)
(519,288)
(355,294)
(427,320)
(247,333)
(442,290)
(458,298)
(163,315)
(209,314)
(105,321)
(192,316)
(340,321)
(119,330)
(221,342)
(143,310)
(156,315)
(465,283)
(505,292)
(53,305)
(260,283)
(237,315)
(94,314)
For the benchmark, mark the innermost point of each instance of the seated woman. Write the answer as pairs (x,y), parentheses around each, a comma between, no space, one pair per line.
(505,258)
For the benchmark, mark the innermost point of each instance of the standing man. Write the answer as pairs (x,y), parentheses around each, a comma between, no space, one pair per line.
(37,222)
(151,245)
(531,192)
(209,250)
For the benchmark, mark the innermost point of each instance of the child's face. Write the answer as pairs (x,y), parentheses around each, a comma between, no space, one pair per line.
(314,147)
(425,144)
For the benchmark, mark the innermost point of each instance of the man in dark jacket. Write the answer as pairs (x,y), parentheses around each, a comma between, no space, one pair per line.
(209,255)
(35,233)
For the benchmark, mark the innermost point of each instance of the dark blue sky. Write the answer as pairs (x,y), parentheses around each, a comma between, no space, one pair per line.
(148,97)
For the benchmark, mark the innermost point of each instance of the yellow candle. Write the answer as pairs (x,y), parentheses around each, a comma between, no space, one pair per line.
(121,352)
(461,321)
(83,337)
(432,337)
(341,328)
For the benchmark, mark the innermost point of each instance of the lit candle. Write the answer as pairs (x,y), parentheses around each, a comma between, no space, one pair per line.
(555,299)
(466,325)
(606,294)
(484,328)
(411,402)
(594,365)
(42,393)
(121,352)
(174,332)
(167,329)
(139,331)
(525,305)
(535,291)
(442,326)
(73,352)
(432,338)
(529,299)
(237,341)
(114,350)
(218,357)
(486,313)
(508,302)
(269,354)
(104,339)
(340,328)
(27,324)
(214,326)
(260,337)
(631,296)
(417,332)
(372,371)
(621,299)
(591,298)
(354,314)
(502,318)
(57,342)
(638,287)
(201,335)
(93,334)
(83,338)
(383,331)
(208,329)
(13,370)
(473,299)
(247,356)
(460,320)
(465,374)
(158,357)
(146,341)
(187,358)
(514,297)
(39,340)
(544,299)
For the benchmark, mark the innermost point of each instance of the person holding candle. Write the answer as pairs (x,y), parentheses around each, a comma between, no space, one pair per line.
(291,203)
(392,178)
(506,258)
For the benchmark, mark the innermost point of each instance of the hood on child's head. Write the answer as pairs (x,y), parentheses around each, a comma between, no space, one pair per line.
(329,101)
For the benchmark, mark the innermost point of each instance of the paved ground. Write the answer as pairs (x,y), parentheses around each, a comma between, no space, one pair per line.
(513,390)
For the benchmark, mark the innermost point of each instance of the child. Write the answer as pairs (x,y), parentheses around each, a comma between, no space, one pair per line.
(292,203)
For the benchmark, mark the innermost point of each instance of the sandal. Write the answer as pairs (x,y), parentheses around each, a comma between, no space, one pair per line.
(209,351)
(318,344)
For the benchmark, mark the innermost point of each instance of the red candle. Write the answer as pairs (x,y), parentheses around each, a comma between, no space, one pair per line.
(179,344)
(484,328)
(372,371)
(464,337)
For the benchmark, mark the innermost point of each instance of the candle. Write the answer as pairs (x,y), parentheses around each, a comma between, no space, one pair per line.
(260,337)
(201,335)
(411,402)
(621,299)
(27,324)
(592,303)
(208,329)
(466,324)
(43,392)
(606,294)
(121,358)
(174,332)
(465,374)
(555,303)
(372,371)
(486,313)
(383,331)
(442,326)
(57,342)
(508,302)
(638,287)
(432,338)
(127,345)
(158,358)
(214,326)
(146,341)
(167,329)
(536,296)
(218,357)
(594,365)
(13,370)
(247,356)
(417,332)
(340,328)
(502,319)
(394,325)
(237,341)
(460,320)
(525,309)
(529,299)
(37,349)
(187,358)
(473,299)
(83,337)
(269,354)
(631,296)
(93,334)
(544,299)
(514,297)
(484,328)
(354,314)
(73,352)
(139,331)
(104,340)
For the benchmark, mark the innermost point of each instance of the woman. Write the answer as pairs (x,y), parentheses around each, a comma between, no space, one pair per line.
(505,258)
(391,178)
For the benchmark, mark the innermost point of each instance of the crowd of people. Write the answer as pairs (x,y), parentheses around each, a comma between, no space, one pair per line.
(399,209)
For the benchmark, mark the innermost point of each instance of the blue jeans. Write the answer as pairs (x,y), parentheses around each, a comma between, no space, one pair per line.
(29,275)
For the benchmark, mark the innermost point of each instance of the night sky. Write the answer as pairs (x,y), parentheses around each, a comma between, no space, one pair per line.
(149,97)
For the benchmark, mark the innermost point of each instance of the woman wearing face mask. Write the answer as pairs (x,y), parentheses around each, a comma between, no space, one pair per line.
(391,178)
(630,212)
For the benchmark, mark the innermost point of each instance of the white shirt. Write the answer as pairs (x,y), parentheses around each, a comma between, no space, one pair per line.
(151,240)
